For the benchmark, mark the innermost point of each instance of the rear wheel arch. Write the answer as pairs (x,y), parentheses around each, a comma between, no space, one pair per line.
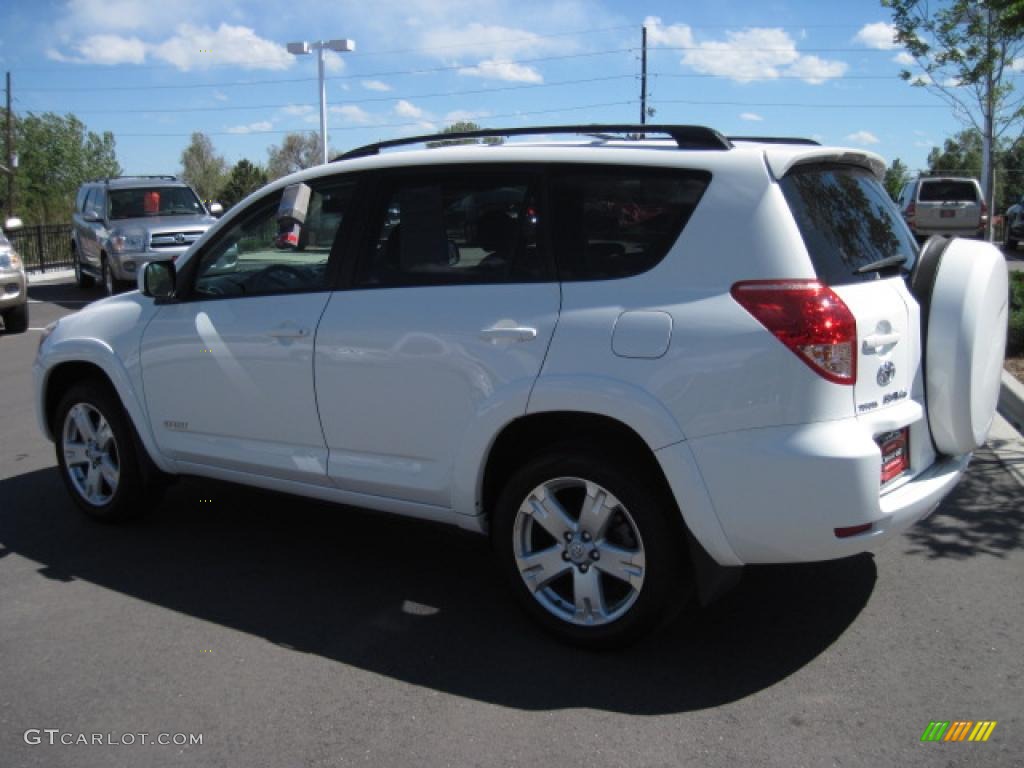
(525,438)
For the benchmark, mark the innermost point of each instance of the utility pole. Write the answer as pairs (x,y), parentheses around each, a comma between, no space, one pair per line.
(9,158)
(643,75)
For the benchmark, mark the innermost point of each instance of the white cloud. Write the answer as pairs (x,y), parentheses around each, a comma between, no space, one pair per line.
(904,58)
(375,85)
(333,62)
(503,69)
(407,109)
(462,115)
(104,49)
(863,138)
(752,117)
(352,113)
(220,96)
(194,47)
(879,35)
(747,55)
(106,15)
(815,70)
(263,125)
(490,41)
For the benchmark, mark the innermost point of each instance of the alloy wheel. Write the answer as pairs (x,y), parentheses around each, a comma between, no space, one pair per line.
(91,458)
(579,551)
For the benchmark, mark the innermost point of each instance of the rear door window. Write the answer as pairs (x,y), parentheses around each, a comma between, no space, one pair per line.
(945,191)
(847,221)
(610,223)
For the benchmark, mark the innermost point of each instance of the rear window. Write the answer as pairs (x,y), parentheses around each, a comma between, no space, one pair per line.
(847,221)
(612,223)
(944,191)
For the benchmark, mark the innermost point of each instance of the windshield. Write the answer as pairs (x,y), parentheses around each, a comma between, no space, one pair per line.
(847,221)
(154,201)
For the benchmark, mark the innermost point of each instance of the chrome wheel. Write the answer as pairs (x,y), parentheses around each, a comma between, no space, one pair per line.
(579,551)
(91,457)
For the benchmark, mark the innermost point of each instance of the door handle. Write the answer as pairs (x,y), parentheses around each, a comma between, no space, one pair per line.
(878,340)
(509,333)
(289,331)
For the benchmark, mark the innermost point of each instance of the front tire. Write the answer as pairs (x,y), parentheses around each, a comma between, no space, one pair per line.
(97,455)
(586,545)
(16,319)
(83,280)
(109,281)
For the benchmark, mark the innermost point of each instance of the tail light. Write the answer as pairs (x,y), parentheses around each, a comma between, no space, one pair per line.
(810,319)
(984,212)
(910,212)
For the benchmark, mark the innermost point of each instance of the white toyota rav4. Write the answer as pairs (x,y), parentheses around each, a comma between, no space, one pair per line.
(636,363)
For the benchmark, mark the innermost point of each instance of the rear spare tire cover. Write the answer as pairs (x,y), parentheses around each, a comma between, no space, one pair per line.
(964,314)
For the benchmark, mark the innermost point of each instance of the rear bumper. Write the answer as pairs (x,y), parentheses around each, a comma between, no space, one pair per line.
(781,493)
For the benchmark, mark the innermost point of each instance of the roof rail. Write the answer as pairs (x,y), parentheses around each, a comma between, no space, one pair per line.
(776,140)
(685,136)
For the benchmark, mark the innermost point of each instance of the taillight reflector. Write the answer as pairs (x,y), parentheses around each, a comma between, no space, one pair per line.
(810,319)
(853,530)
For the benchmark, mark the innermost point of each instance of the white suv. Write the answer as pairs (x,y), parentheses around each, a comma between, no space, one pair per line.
(635,363)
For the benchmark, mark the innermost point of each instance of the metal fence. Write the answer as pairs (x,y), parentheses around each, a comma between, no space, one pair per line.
(47,246)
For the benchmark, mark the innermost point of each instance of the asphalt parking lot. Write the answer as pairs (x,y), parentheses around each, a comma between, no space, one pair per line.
(287,632)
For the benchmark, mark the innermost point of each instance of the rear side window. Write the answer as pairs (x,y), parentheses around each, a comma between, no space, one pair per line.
(612,223)
(946,191)
(847,221)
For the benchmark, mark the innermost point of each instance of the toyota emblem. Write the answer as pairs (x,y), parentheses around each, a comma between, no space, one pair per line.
(179,238)
(886,373)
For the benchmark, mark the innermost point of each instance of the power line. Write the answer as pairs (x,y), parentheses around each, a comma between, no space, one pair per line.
(367,100)
(373,126)
(796,104)
(391,73)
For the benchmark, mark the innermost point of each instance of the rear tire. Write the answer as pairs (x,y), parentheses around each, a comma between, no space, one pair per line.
(16,319)
(593,576)
(98,457)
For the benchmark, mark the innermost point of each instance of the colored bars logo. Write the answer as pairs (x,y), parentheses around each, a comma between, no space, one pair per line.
(958,730)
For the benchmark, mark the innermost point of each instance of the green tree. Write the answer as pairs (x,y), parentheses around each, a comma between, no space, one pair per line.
(297,151)
(966,51)
(55,155)
(202,167)
(960,155)
(245,178)
(895,177)
(461,127)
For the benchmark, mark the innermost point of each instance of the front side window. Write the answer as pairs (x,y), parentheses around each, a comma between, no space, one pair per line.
(612,223)
(153,201)
(250,259)
(455,230)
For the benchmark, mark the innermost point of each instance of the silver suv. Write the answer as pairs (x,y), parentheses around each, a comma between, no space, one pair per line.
(122,222)
(944,205)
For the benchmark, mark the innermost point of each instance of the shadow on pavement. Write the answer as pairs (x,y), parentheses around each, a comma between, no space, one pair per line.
(64,294)
(983,516)
(421,603)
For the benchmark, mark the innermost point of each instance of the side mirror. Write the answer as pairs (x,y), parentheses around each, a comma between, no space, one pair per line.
(13,223)
(156,279)
(216,210)
(92,216)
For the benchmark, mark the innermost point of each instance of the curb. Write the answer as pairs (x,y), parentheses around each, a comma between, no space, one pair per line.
(52,276)
(1011,400)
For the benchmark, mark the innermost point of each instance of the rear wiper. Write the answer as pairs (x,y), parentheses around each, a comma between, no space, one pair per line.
(878,266)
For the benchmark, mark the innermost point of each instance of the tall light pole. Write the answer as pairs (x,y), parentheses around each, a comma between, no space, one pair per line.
(304,47)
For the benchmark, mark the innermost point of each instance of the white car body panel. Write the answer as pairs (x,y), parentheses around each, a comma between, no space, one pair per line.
(403,373)
(223,388)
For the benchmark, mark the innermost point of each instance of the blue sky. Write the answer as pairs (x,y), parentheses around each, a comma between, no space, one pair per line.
(153,71)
